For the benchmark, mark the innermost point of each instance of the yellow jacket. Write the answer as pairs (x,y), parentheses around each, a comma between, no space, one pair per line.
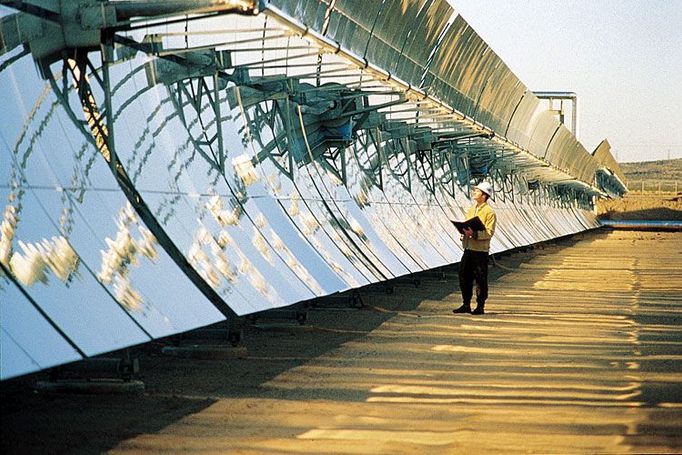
(481,239)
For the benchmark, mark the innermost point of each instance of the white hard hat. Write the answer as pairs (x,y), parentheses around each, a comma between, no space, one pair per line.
(486,187)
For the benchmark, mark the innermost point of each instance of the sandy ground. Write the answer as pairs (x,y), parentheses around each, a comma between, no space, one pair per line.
(579,353)
(662,207)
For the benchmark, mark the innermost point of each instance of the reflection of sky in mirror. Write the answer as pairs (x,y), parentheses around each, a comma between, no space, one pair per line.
(353,232)
(358,220)
(360,186)
(303,203)
(27,341)
(431,217)
(271,192)
(408,213)
(404,228)
(373,200)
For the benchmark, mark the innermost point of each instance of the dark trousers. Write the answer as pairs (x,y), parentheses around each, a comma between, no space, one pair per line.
(474,268)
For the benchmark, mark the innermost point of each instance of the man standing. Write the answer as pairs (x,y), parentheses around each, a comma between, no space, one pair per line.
(474,264)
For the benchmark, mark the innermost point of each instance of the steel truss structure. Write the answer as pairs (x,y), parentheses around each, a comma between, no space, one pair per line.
(171,164)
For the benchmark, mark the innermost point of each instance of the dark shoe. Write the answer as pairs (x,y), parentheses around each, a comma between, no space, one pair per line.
(462,309)
(478,310)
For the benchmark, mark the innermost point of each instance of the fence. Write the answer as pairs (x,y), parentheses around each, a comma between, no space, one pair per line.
(654,186)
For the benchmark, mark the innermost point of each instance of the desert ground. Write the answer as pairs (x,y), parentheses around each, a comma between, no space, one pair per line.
(579,352)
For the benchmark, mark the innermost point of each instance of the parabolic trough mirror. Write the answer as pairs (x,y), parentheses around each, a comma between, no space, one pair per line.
(169,165)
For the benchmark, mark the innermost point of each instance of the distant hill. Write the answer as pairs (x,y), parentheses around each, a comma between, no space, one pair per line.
(653,170)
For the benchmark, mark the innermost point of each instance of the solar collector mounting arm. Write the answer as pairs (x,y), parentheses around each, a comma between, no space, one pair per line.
(416,94)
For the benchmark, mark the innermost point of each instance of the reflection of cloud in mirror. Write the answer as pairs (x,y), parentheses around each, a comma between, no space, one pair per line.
(223,265)
(309,228)
(7,230)
(60,257)
(55,254)
(277,242)
(275,182)
(204,236)
(147,244)
(196,254)
(125,250)
(210,274)
(341,244)
(333,178)
(294,265)
(310,224)
(259,283)
(29,268)
(261,245)
(204,265)
(355,226)
(255,278)
(260,221)
(362,198)
(244,264)
(224,239)
(214,263)
(126,294)
(332,263)
(224,217)
(294,209)
(35,259)
(244,169)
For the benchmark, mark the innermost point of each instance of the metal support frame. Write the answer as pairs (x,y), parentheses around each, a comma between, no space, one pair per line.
(300,316)
(422,161)
(561,114)
(507,184)
(197,92)
(444,171)
(100,127)
(398,162)
(125,368)
(277,150)
(373,168)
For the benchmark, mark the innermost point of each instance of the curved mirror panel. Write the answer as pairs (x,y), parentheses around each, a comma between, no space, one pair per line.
(28,342)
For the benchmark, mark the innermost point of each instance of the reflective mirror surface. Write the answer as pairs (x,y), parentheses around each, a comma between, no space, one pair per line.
(165,173)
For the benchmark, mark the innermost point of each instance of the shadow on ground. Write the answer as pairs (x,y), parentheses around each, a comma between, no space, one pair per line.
(659,214)
(40,423)
(35,422)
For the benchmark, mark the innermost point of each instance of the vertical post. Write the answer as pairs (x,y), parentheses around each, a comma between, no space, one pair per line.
(561,112)
(574,117)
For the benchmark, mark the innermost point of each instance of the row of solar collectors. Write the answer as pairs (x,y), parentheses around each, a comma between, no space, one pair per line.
(87,276)
(603,154)
(426,45)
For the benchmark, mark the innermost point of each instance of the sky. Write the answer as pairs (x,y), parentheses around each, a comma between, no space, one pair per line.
(623,58)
